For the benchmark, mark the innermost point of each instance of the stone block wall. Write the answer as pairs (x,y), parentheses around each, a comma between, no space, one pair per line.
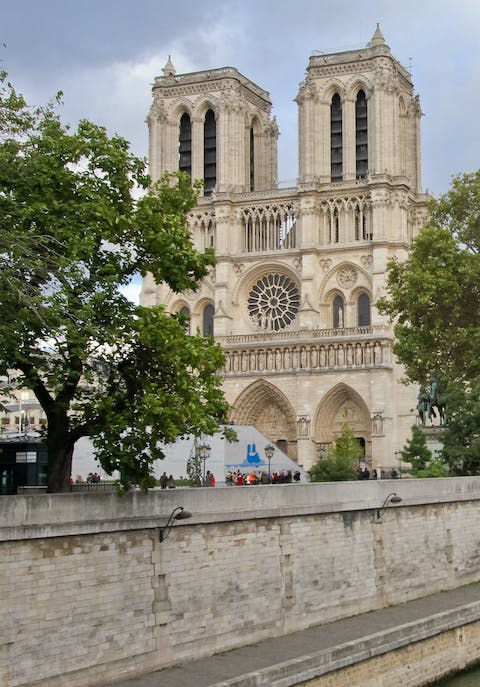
(89,594)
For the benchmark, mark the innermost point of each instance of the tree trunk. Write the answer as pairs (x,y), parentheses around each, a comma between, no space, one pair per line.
(60,451)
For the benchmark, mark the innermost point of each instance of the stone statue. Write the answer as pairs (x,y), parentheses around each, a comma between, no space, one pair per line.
(423,407)
(436,401)
(430,402)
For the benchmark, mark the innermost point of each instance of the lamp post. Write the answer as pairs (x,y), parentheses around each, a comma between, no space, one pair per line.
(178,513)
(391,498)
(203,452)
(269,451)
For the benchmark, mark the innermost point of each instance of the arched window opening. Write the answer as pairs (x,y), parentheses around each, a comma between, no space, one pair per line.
(209,152)
(336,142)
(252,160)
(185,144)
(336,226)
(363,310)
(361,136)
(338,313)
(208,313)
(186,312)
(358,221)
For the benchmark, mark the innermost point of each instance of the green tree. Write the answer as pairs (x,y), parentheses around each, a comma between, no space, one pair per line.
(417,453)
(461,443)
(433,297)
(341,462)
(72,235)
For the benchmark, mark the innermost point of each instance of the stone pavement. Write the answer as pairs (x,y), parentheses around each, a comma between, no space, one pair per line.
(305,654)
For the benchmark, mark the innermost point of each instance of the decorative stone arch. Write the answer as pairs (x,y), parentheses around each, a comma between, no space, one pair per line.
(342,280)
(329,90)
(178,108)
(202,107)
(341,406)
(355,85)
(334,279)
(265,407)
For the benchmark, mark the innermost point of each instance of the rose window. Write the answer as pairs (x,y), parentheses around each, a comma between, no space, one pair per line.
(273,302)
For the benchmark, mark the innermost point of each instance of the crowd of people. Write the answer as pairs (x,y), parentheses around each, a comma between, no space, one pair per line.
(240,479)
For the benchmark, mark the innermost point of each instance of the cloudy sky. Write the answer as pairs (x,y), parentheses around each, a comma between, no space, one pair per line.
(104,55)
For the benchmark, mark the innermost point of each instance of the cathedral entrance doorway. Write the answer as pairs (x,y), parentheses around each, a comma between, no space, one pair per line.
(342,406)
(266,408)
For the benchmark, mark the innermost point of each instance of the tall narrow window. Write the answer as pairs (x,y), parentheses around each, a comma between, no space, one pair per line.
(361,135)
(208,320)
(336,226)
(185,144)
(338,313)
(363,310)
(252,160)
(336,142)
(209,152)
(358,220)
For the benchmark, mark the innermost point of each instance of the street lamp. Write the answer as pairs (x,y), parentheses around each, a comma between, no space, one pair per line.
(203,451)
(269,451)
(178,513)
(391,498)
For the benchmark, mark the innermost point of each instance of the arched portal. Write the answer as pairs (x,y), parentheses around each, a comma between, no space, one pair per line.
(265,407)
(341,406)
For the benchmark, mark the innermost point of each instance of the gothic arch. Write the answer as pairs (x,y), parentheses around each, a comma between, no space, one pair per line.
(342,405)
(334,86)
(203,106)
(265,407)
(178,109)
(329,282)
(355,85)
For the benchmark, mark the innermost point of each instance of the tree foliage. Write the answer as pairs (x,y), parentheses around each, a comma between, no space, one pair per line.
(434,296)
(341,462)
(434,299)
(72,235)
(417,453)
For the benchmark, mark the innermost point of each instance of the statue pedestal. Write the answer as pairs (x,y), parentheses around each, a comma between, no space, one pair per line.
(433,437)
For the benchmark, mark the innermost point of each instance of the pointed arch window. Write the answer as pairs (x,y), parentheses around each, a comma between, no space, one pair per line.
(208,313)
(361,233)
(338,312)
(209,152)
(185,144)
(336,139)
(361,135)
(336,226)
(252,160)
(363,310)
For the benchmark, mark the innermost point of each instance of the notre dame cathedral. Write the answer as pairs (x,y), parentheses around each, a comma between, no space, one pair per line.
(292,298)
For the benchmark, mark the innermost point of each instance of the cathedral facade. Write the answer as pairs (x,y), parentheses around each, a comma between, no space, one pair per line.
(292,297)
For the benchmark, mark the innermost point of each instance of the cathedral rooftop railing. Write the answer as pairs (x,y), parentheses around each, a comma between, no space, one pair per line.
(306,335)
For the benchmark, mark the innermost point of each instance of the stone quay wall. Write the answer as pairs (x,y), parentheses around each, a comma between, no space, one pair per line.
(89,594)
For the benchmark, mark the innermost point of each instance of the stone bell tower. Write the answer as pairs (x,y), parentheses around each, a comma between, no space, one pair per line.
(215,125)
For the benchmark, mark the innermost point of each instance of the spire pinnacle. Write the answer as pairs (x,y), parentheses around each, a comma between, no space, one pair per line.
(169,69)
(377,38)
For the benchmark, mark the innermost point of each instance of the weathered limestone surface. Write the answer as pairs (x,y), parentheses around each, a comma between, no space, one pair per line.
(89,594)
